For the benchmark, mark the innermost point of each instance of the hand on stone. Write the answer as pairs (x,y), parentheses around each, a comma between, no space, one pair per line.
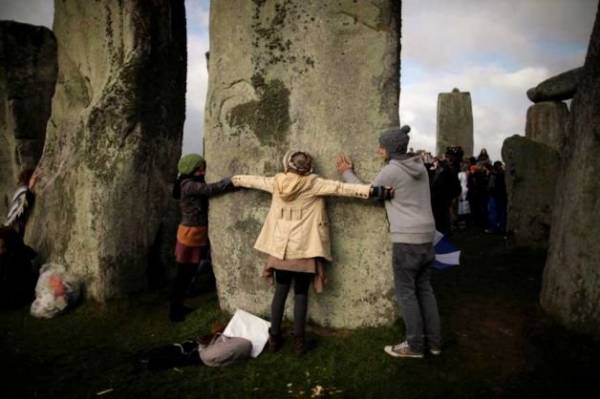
(343,163)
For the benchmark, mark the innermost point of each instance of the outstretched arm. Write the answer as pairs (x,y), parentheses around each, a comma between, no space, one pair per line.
(337,188)
(190,187)
(382,185)
(255,182)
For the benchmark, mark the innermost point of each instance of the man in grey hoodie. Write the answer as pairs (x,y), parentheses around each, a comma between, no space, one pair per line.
(412,231)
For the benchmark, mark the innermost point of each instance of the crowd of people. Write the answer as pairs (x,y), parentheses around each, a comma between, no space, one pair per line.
(466,192)
(421,193)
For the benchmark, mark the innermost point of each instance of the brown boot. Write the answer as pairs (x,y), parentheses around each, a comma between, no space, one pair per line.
(275,341)
(299,345)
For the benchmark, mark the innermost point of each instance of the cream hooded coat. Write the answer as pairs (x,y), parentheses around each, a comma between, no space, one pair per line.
(297,226)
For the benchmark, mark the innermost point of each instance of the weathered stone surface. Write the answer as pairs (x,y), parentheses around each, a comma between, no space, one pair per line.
(310,74)
(28,69)
(571,286)
(454,122)
(547,122)
(557,88)
(113,139)
(531,174)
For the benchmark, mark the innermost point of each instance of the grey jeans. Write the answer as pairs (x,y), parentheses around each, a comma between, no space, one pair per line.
(412,273)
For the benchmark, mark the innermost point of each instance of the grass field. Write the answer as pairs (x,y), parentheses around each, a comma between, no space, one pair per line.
(497,343)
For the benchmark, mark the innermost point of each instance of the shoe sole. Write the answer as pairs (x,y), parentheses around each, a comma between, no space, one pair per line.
(390,351)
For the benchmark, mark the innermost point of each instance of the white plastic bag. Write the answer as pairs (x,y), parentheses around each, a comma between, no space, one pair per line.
(253,328)
(55,290)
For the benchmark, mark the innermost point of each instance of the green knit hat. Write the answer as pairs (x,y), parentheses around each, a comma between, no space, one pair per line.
(189,163)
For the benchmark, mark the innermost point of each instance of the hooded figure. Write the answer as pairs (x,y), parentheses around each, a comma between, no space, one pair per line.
(412,232)
(295,234)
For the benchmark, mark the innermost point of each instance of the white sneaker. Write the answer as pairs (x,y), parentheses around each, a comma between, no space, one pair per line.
(402,350)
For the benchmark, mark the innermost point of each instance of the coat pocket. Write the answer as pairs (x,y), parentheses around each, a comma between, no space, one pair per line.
(323,230)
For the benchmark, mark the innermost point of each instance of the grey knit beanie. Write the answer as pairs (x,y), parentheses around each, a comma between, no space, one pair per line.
(395,141)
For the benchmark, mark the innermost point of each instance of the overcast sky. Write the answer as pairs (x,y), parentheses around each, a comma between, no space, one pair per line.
(496,49)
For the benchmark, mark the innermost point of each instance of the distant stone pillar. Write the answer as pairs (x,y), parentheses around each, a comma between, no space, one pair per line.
(454,122)
(546,123)
(571,284)
(317,75)
(113,140)
(531,175)
(28,70)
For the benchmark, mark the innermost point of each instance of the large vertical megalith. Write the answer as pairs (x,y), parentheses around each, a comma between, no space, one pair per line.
(318,75)
(113,139)
(27,78)
(531,174)
(571,285)
(454,122)
(547,122)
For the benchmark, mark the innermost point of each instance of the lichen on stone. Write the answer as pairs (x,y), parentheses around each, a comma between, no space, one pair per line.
(269,116)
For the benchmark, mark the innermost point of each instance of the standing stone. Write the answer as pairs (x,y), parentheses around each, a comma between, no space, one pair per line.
(318,75)
(571,285)
(27,78)
(113,139)
(547,122)
(454,122)
(531,174)
(557,88)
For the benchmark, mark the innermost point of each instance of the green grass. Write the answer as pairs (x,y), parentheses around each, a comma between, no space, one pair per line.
(497,343)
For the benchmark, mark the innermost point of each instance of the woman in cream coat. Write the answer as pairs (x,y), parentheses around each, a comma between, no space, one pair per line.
(295,234)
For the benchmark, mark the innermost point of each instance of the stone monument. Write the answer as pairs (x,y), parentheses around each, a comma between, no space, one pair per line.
(113,140)
(320,76)
(571,284)
(454,122)
(547,118)
(531,174)
(28,71)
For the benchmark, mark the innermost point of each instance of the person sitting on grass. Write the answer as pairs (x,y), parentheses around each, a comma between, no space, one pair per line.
(412,232)
(295,235)
(192,245)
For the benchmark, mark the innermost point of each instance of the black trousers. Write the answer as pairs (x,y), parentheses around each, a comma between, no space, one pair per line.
(185,275)
(283,282)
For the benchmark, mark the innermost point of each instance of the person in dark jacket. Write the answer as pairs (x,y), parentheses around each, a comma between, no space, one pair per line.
(445,188)
(192,245)
(497,200)
(17,276)
(477,183)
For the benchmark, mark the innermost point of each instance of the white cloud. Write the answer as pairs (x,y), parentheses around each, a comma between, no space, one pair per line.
(494,49)
(463,32)
(197,84)
(197,14)
(35,12)
(498,98)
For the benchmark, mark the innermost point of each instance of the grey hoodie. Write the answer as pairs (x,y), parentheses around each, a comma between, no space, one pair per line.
(409,212)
